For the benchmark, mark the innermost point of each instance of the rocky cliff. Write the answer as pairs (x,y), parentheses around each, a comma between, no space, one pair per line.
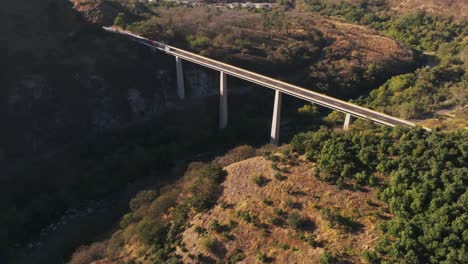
(66,79)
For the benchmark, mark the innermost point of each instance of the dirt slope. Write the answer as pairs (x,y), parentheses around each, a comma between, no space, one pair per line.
(300,191)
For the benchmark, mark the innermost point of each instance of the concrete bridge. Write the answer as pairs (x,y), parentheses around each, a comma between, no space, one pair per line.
(280,88)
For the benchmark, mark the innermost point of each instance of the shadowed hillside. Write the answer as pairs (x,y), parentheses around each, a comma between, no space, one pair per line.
(65,80)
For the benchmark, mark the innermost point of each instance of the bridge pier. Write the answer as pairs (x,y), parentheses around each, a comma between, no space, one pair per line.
(223,111)
(276,120)
(347,122)
(180,78)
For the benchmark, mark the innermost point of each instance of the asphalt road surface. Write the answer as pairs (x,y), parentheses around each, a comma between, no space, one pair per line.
(293,90)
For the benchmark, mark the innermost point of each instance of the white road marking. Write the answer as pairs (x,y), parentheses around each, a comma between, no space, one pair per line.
(287,88)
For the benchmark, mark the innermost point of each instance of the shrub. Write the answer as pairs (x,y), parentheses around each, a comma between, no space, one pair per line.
(114,244)
(295,221)
(259,179)
(267,201)
(126,220)
(199,230)
(297,143)
(274,166)
(206,188)
(161,204)
(208,244)
(279,212)
(309,239)
(236,256)
(142,198)
(198,42)
(214,173)
(263,257)
(285,247)
(152,231)
(371,257)
(280,177)
(88,254)
(362,177)
(226,235)
(179,219)
(202,202)
(120,20)
(276,221)
(335,219)
(290,203)
(235,155)
(248,217)
(216,226)
(328,258)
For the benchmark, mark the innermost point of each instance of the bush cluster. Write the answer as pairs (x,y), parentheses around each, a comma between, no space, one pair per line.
(426,187)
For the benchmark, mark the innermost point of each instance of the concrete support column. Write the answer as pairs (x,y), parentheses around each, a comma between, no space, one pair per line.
(275,123)
(223,111)
(347,122)
(180,78)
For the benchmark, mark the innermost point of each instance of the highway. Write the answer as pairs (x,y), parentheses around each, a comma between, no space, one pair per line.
(283,87)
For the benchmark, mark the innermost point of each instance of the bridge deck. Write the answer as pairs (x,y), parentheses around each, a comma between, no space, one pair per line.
(263,80)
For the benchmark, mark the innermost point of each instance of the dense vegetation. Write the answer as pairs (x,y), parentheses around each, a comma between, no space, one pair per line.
(425,189)
(421,175)
(442,84)
(418,30)
(427,89)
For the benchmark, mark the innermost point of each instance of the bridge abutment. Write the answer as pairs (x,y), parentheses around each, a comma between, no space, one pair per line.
(275,123)
(223,111)
(180,78)
(347,122)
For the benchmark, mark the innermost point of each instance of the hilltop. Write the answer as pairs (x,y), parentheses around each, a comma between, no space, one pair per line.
(329,197)
(262,214)
(273,204)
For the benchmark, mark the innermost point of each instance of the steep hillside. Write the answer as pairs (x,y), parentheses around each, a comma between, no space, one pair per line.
(450,8)
(275,208)
(370,195)
(282,217)
(97,11)
(63,81)
(336,58)
(66,77)
(457,9)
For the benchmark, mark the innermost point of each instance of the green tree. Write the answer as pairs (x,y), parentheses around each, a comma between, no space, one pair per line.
(121,20)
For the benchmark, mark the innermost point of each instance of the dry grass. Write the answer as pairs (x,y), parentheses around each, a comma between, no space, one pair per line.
(450,8)
(456,119)
(300,192)
(368,45)
(456,8)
